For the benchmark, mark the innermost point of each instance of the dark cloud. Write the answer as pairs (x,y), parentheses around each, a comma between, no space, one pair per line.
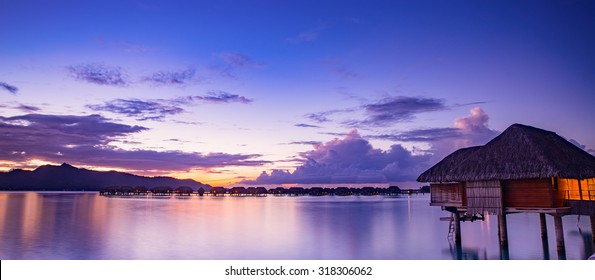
(158,109)
(232,61)
(99,74)
(470,103)
(399,108)
(139,109)
(322,117)
(10,88)
(165,78)
(337,134)
(421,135)
(85,140)
(350,160)
(306,125)
(27,108)
(20,107)
(576,143)
(312,143)
(318,117)
(220,97)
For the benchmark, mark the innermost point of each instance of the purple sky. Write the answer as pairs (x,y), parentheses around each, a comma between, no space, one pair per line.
(286,91)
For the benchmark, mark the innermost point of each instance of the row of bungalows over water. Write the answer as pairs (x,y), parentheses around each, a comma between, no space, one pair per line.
(127,191)
(523,170)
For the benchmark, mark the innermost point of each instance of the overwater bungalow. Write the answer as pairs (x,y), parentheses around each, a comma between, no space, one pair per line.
(201,191)
(393,191)
(184,191)
(238,191)
(278,191)
(218,191)
(296,191)
(367,191)
(140,190)
(112,190)
(317,191)
(162,191)
(523,170)
(251,191)
(261,191)
(343,191)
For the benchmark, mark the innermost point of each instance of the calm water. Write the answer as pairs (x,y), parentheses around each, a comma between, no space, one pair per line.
(88,226)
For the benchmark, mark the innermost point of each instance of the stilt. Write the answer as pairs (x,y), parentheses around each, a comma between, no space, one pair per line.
(593,229)
(502,230)
(543,226)
(546,248)
(504,254)
(457,221)
(560,237)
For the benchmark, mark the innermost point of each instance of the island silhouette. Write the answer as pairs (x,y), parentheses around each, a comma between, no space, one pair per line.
(66,177)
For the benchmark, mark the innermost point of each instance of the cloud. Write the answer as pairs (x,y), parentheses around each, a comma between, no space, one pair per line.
(576,143)
(165,78)
(158,109)
(353,159)
(20,107)
(321,117)
(421,135)
(472,130)
(99,74)
(306,125)
(85,140)
(10,88)
(139,109)
(311,143)
(306,36)
(340,68)
(232,61)
(27,108)
(398,108)
(350,160)
(218,97)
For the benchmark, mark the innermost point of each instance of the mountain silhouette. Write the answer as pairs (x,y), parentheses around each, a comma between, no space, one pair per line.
(66,177)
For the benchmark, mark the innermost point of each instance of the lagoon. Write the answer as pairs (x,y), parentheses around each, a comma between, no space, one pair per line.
(85,225)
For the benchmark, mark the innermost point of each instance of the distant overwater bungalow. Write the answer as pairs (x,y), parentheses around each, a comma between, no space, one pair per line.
(523,170)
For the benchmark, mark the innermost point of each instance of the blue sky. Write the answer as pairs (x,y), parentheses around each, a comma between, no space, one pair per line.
(320,91)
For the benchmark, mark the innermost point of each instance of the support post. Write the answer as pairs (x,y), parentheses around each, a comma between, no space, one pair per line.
(502,231)
(593,229)
(560,237)
(457,221)
(543,226)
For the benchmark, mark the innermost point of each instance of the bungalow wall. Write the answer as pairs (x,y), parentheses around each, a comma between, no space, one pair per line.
(537,193)
(484,196)
(448,194)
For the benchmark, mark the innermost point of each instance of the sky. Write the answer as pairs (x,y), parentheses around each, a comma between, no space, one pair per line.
(286,92)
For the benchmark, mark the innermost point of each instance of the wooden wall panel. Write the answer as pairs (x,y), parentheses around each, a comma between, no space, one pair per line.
(528,193)
(450,193)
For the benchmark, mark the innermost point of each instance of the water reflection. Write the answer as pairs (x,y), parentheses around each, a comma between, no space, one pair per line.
(87,226)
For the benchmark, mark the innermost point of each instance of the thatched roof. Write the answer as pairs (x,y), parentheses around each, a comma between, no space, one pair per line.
(520,152)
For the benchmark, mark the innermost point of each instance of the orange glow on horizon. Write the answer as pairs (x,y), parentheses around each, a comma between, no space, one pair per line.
(211,177)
